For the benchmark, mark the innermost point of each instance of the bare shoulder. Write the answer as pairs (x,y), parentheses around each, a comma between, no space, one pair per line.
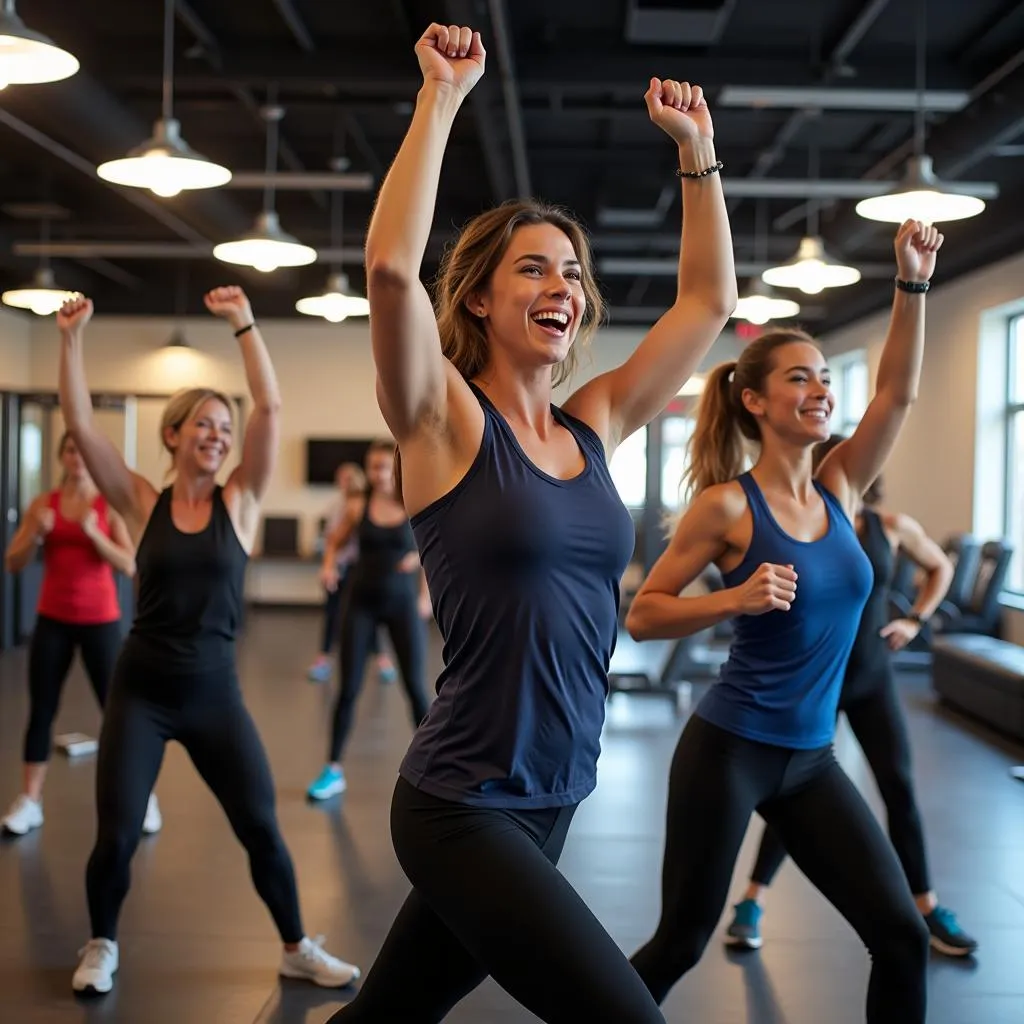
(900,525)
(714,511)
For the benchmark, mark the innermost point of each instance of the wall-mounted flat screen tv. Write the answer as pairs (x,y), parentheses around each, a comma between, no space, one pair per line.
(325,454)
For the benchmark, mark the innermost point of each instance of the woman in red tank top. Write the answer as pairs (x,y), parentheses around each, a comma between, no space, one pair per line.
(83,542)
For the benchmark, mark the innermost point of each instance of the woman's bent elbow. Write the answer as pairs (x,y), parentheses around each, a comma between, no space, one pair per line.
(636,625)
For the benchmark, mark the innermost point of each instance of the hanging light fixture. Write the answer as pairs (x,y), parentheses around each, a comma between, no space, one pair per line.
(165,164)
(28,57)
(267,246)
(338,301)
(811,270)
(42,295)
(760,305)
(919,195)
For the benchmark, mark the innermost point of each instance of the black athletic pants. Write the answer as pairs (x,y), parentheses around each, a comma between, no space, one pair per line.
(205,714)
(397,611)
(487,899)
(876,719)
(717,781)
(334,604)
(49,661)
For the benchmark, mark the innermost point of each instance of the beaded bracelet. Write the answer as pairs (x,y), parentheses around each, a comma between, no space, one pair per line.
(714,169)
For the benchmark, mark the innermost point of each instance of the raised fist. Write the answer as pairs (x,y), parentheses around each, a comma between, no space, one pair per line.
(451,55)
(679,109)
(916,245)
(44,519)
(769,588)
(231,304)
(74,314)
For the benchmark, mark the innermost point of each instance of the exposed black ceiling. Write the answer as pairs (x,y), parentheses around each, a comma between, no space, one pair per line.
(345,73)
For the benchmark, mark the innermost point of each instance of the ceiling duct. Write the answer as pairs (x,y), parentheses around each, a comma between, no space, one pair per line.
(695,22)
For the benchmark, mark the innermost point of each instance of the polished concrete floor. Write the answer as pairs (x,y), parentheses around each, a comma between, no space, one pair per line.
(197,944)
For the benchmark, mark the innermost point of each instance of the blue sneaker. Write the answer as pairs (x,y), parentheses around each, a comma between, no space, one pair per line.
(330,782)
(319,671)
(946,934)
(745,930)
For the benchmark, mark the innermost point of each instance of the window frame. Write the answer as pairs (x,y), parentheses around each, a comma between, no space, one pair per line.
(1013,406)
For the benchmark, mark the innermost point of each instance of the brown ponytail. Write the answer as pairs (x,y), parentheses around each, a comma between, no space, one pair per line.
(717,451)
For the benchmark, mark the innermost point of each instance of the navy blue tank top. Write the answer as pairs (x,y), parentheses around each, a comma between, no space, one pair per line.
(375,574)
(781,682)
(870,661)
(524,571)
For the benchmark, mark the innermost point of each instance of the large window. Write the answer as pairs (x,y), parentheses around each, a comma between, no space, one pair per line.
(851,387)
(1014,507)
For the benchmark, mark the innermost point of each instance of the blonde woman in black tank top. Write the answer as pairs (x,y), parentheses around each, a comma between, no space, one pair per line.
(176,678)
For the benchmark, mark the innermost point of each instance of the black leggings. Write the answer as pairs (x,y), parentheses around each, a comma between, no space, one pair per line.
(210,721)
(877,721)
(49,661)
(487,899)
(717,781)
(334,602)
(360,620)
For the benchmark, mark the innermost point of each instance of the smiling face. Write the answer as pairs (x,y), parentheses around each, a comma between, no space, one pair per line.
(71,462)
(203,441)
(796,402)
(534,303)
(380,470)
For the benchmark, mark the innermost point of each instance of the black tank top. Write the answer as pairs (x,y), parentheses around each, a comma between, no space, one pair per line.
(869,659)
(375,575)
(189,600)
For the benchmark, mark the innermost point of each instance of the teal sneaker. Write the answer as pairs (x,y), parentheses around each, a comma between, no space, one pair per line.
(745,930)
(330,782)
(946,934)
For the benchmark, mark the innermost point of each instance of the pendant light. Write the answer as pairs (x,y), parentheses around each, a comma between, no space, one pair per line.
(919,195)
(165,164)
(178,338)
(760,304)
(812,269)
(267,246)
(28,57)
(41,295)
(338,301)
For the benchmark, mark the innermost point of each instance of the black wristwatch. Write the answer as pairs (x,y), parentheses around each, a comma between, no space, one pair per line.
(916,617)
(914,287)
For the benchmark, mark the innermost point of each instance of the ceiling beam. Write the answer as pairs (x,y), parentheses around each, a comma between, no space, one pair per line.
(213,55)
(484,101)
(510,88)
(291,17)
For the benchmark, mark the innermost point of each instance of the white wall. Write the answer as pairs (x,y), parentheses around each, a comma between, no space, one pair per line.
(932,473)
(15,348)
(327,384)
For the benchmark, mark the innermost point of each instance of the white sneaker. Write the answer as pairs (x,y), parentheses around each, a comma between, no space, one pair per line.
(311,962)
(95,973)
(153,821)
(25,814)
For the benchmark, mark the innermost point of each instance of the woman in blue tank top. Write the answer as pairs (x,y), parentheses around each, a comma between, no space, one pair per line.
(873,709)
(523,539)
(796,581)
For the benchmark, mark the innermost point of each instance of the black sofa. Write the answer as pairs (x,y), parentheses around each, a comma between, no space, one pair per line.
(983,676)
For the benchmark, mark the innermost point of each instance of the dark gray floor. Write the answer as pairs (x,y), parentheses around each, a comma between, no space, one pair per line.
(197,944)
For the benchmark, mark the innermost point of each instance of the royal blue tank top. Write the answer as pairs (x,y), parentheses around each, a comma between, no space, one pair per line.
(523,571)
(781,682)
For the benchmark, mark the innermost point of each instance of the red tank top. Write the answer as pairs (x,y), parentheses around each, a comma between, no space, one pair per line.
(78,585)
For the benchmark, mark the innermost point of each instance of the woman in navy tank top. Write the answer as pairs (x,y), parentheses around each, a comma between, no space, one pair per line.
(523,539)
(873,709)
(796,582)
